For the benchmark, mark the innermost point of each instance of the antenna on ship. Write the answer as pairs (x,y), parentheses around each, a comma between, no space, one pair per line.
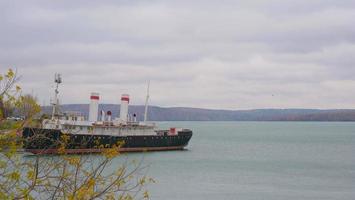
(146,103)
(55,103)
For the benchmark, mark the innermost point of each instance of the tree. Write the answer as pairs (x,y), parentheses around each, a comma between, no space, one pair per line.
(63,176)
(7,94)
(27,106)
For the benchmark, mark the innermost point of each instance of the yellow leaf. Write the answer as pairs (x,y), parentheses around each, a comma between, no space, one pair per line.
(111,152)
(61,149)
(30,175)
(74,161)
(146,195)
(91,182)
(10,73)
(142,181)
(14,176)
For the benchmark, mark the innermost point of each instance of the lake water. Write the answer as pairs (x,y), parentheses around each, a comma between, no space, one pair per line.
(257,160)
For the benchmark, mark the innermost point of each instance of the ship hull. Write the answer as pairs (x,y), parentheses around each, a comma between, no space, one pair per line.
(48,141)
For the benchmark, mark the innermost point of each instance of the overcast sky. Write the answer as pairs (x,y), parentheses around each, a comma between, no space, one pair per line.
(209,54)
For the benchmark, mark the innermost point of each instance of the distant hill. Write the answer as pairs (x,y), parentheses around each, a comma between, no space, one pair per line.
(156,113)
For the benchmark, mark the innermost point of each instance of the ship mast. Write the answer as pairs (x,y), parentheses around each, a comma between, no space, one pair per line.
(146,103)
(55,103)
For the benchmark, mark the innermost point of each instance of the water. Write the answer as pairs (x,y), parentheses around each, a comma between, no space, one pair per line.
(257,160)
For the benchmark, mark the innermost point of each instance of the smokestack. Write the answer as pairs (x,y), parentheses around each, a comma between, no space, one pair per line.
(94,107)
(124,107)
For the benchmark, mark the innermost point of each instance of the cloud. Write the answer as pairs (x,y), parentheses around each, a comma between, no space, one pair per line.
(215,54)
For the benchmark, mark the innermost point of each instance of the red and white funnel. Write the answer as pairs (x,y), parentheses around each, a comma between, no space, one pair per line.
(94,106)
(124,107)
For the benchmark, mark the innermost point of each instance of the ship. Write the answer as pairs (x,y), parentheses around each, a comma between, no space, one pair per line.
(72,133)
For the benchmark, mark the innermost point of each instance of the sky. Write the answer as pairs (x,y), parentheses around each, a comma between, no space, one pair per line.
(209,54)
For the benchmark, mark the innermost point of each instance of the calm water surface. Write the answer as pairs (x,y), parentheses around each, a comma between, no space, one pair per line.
(257,160)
